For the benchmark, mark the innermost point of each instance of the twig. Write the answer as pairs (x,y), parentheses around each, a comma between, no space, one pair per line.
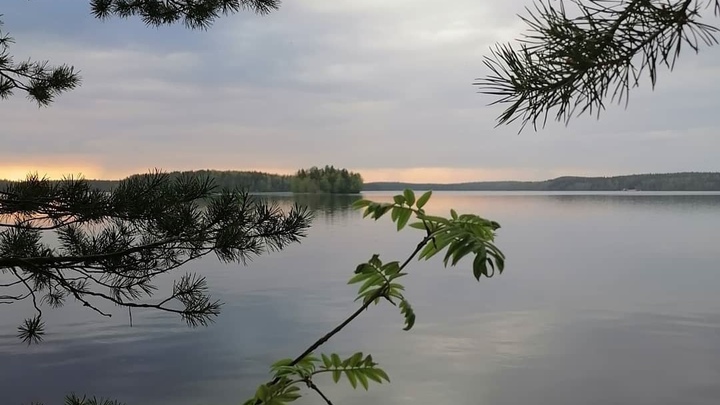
(380,292)
(30,290)
(316,389)
(369,301)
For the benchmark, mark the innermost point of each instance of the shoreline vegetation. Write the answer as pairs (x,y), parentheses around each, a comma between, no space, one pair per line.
(330,180)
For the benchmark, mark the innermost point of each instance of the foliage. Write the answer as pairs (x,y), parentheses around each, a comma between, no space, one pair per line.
(252,181)
(645,182)
(193,13)
(574,59)
(111,246)
(326,180)
(458,236)
(42,82)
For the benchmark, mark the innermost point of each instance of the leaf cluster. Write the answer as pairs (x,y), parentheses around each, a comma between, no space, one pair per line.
(379,281)
(111,246)
(575,58)
(459,235)
(358,369)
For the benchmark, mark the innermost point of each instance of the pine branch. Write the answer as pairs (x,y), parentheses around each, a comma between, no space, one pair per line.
(194,14)
(40,81)
(111,246)
(572,65)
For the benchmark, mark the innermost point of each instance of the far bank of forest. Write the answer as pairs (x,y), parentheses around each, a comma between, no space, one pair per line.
(327,179)
(688,181)
(330,180)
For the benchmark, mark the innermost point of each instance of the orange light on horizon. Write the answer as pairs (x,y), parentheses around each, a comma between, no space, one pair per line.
(50,172)
(441,174)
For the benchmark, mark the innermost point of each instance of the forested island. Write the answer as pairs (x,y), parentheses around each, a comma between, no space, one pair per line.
(688,181)
(326,180)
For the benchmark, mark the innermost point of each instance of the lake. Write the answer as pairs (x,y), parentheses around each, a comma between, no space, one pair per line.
(607,298)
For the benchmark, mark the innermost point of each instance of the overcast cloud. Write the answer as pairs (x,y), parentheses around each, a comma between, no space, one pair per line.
(382,87)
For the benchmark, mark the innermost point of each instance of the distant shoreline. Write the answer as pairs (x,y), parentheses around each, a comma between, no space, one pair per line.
(274,183)
(684,181)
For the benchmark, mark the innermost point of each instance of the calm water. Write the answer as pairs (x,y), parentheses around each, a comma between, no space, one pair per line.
(606,299)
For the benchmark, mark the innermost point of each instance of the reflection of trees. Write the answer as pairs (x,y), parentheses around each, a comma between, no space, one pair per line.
(327,206)
(641,200)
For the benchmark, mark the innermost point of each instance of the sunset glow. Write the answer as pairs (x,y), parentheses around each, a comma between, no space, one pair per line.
(20,172)
(409,175)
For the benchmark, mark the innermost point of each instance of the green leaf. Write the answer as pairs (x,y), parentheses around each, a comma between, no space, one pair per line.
(461,252)
(479,267)
(409,314)
(424,199)
(262,392)
(417,225)
(399,200)
(396,286)
(326,360)
(395,213)
(288,396)
(454,214)
(355,359)
(371,373)
(382,374)
(360,204)
(390,269)
(409,196)
(454,245)
(308,361)
(359,277)
(373,280)
(350,374)
(433,218)
(403,218)
(364,268)
(281,363)
(335,360)
(500,261)
(362,378)
(375,261)
(336,375)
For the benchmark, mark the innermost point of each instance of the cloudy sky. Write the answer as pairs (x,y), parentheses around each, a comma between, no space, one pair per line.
(381,87)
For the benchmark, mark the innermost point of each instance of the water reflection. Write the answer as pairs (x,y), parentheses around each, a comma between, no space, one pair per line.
(607,299)
(329,207)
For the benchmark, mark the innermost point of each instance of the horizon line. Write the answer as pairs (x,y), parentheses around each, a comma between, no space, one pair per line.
(80,176)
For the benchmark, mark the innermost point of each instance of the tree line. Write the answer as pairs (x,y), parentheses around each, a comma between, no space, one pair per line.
(689,181)
(326,180)
(314,180)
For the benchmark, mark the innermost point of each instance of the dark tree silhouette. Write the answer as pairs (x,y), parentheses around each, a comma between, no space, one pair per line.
(111,246)
(575,59)
(43,82)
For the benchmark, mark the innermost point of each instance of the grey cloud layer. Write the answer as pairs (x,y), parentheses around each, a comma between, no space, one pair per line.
(371,84)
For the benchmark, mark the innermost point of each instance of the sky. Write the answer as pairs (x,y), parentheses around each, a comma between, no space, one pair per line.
(375,86)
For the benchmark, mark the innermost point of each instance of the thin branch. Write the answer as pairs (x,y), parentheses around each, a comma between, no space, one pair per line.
(380,292)
(316,389)
(30,291)
(68,260)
